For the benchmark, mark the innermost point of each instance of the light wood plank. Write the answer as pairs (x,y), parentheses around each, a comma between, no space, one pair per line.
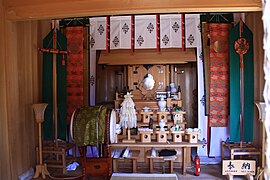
(21,89)
(147,56)
(38,9)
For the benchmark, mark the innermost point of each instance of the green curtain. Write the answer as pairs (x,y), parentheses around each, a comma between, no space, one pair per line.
(235,105)
(47,88)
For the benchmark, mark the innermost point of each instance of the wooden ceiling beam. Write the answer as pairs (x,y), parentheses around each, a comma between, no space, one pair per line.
(51,9)
(147,56)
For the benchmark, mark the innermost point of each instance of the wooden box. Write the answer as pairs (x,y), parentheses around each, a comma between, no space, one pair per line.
(145,136)
(163,115)
(98,167)
(178,117)
(146,116)
(192,137)
(162,136)
(177,135)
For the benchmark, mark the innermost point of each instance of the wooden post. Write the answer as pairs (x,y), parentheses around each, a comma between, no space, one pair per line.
(55,108)
(41,168)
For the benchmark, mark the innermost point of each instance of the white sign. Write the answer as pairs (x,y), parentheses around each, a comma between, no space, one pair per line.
(238,167)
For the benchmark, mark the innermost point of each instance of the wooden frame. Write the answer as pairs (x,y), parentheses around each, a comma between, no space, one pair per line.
(41,9)
(143,147)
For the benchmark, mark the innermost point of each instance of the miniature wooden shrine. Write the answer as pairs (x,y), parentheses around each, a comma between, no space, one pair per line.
(156,127)
(149,114)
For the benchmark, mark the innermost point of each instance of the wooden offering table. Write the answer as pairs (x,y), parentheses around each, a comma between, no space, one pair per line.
(133,156)
(184,147)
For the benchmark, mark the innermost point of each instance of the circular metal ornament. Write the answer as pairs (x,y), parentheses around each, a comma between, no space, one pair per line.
(241,46)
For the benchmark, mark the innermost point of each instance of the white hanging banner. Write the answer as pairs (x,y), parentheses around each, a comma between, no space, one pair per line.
(125,32)
(218,134)
(176,31)
(165,33)
(120,32)
(98,33)
(115,33)
(195,31)
(170,31)
(145,32)
(192,26)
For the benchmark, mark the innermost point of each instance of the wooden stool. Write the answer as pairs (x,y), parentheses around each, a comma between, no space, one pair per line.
(57,157)
(169,159)
(237,150)
(133,156)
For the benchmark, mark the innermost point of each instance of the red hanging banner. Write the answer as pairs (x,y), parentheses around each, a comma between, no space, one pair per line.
(75,77)
(107,34)
(183,32)
(158,31)
(132,32)
(219,74)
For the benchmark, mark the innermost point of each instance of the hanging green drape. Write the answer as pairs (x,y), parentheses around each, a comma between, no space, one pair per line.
(235,103)
(47,88)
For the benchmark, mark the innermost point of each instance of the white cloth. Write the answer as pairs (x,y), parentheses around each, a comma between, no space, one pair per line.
(72,167)
(98,33)
(120,32)
(153,152)
(112,126)
(126,153)
(170,31)
(193,31)
(193,28)
(218,134)
(145,32)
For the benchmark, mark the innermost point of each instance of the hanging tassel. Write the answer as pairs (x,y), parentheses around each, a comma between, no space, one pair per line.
(132,33)
(158,31)
(63,60)
(240,27)
(107,34)
(183,32)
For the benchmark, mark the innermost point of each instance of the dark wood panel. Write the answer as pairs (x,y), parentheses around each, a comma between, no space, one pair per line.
(5,172)
(186,76)
(108,78)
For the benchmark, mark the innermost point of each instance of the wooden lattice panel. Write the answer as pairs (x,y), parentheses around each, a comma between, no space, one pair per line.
(136,74)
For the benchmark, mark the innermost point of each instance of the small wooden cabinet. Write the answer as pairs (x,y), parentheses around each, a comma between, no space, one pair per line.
(98,167)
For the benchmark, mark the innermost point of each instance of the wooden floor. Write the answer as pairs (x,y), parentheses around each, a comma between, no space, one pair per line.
(208,172)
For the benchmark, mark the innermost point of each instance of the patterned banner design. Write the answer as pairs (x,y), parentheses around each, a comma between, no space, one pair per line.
(219,74)
(145,32)
(170,31)
(120,29)
(98,33)
(74,69)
